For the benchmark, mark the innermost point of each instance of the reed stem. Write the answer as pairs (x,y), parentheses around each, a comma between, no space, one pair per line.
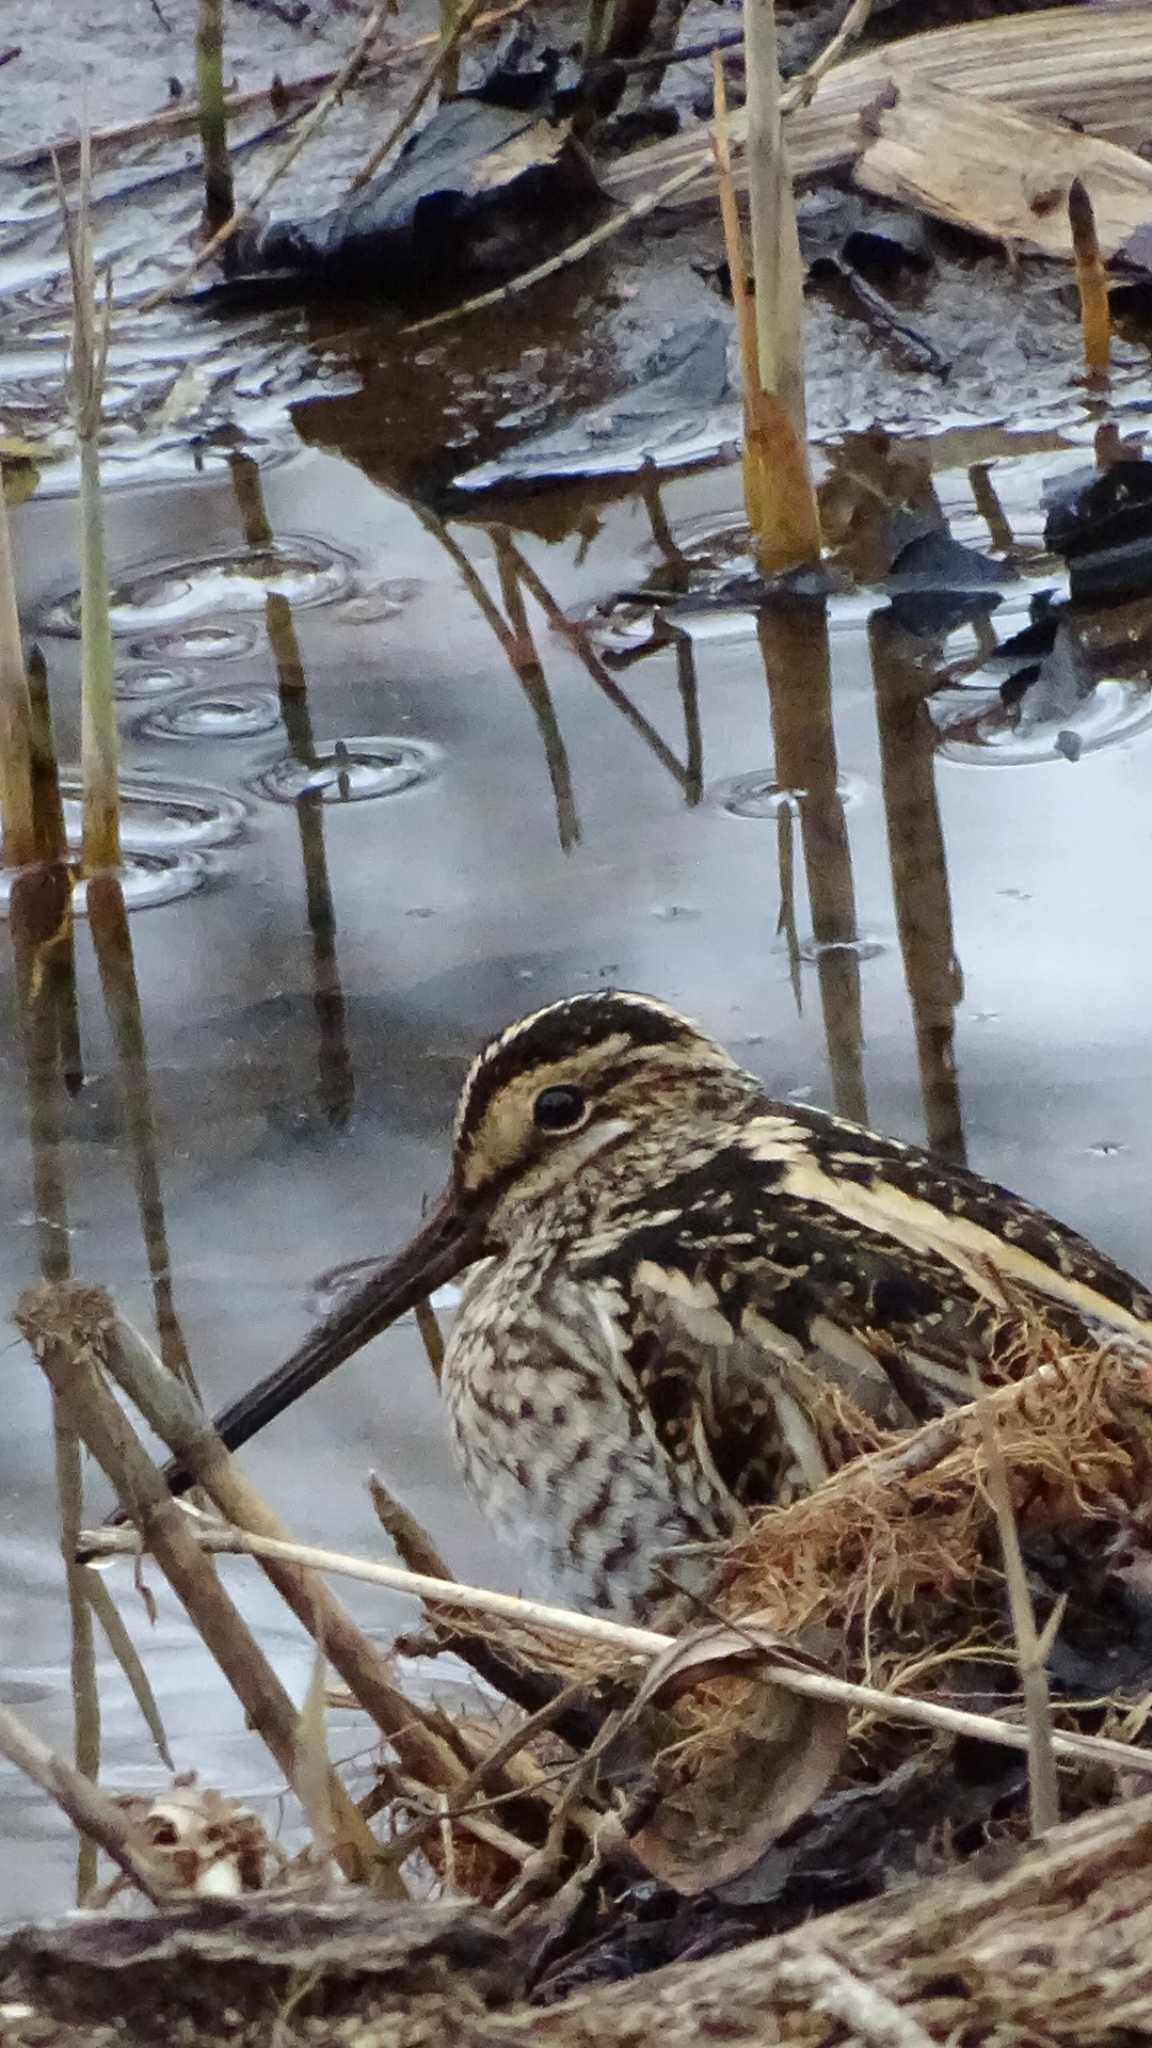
(213,114)
(19,841)
(782,502)
(99,741)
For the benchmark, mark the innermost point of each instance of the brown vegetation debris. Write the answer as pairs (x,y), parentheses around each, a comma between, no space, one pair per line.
(724,1785)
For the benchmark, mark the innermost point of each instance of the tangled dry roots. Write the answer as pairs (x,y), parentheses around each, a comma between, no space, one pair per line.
(903,1541)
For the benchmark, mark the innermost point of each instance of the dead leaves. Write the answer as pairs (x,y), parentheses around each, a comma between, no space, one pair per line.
(729,1760)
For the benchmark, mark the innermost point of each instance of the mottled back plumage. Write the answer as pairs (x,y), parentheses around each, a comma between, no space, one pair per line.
(697,1300)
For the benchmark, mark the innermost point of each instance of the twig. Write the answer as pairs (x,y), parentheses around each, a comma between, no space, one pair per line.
(468,15)
(628,1641)
(628,67)
(536,1692)
(1043,1777)
(512,1744)
(415,1546)
(89,1809)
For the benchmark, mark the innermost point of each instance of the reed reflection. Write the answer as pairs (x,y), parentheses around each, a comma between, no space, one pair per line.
(919,865)
(797,665)
(336,1078)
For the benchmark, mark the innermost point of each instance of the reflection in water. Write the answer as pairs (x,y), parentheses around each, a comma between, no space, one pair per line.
(679,569)
(529,670)
(335,1073)
(58,962)
(786,926)
(794,645)
(986,499)
(576,635)
(690,704)
(919,865)
(108,924)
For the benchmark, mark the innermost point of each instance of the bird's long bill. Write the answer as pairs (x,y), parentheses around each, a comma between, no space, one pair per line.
(444,1245)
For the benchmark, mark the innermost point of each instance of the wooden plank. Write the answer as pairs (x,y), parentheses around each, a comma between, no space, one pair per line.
(1091,65)
(1001,173)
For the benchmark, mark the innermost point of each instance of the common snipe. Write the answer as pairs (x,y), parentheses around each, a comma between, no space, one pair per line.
(684,1285)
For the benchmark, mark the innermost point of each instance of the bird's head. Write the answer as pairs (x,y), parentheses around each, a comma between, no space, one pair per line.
(562,1086)
(544,1100)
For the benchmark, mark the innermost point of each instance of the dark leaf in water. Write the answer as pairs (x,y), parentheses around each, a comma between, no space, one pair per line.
(1137,250)
(1016,686)
(936,583)
(933,561)
(1100,520)
(473,195)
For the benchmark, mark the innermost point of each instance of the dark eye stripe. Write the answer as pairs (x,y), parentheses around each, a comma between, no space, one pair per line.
(559,1031)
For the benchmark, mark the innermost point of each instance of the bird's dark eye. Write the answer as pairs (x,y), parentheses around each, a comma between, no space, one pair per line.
(560,1109)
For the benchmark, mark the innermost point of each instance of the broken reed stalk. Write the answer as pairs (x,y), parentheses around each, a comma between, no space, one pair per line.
(1091,283)
(213,116)
(99,743)
(428,1758)
(60,1324)
(168,1410)
(786,522)
(16,813)
(97,1817)
(1031,1648)
(628,1642)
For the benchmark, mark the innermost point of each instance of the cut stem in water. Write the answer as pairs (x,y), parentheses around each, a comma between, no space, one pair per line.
(1092,283)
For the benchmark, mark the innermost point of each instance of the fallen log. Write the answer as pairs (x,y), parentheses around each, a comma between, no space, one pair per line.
(1054,1945)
